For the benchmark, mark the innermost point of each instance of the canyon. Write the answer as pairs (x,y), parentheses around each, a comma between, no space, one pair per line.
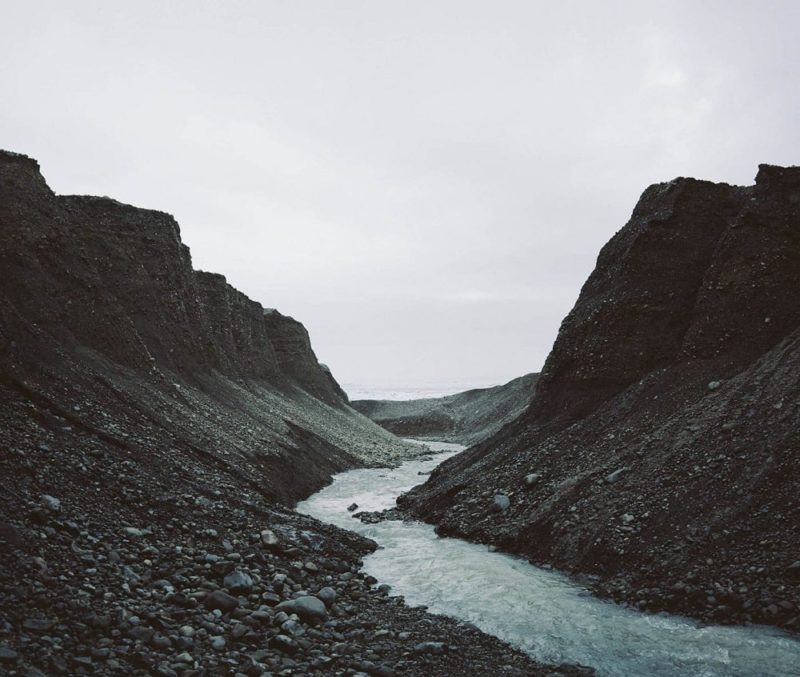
(157,427)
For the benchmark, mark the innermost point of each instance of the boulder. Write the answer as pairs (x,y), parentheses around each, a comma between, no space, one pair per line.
(500,502)
(238,582)
(222,601)
(308,608)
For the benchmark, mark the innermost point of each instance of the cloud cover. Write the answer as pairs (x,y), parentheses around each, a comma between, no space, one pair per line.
(425,185)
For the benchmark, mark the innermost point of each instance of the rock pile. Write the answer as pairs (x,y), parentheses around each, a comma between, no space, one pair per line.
(227,585)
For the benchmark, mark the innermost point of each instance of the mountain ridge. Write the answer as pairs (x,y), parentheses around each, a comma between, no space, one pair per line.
(464,418)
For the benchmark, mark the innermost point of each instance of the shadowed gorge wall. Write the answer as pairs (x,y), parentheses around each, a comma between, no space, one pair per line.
(660,450)
(100,304)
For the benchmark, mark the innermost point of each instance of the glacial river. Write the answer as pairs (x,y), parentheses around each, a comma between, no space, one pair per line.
(544,613)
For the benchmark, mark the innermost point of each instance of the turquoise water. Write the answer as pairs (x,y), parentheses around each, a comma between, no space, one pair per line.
(542,612)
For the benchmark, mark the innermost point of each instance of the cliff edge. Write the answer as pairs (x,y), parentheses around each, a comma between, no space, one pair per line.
(103,321)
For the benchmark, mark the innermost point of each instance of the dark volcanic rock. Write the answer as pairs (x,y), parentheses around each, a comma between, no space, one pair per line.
(238,582)
(307,607)
(664,429)
(104,323)
(376,516)
(222,601)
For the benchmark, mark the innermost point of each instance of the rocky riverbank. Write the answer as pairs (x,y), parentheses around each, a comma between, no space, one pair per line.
(659,456)
(193,583)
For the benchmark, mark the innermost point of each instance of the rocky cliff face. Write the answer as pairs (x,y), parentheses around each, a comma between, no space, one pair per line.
(661,451)
(464,418)
(292,348)
(100,306)
(117,279)
(700,272)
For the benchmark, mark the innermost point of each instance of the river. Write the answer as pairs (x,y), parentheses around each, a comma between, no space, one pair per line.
(546,614)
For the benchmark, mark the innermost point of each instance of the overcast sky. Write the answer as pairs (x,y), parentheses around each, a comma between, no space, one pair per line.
(425,185)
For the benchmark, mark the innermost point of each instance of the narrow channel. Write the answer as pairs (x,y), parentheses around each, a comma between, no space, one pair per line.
(542,612)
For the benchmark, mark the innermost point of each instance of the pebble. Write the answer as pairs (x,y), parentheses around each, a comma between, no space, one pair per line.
(500,502)
(7,654)
(161,642)
(238,582)
(268,538)
(327,595)
(222,601)
(284,644)
(616,475)
(37,624)
(51,503)
(430,647)
(532,478)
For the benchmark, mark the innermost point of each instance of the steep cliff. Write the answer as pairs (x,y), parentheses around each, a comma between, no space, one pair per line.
(153,422)
(661,451)
(464,418)
(102,316)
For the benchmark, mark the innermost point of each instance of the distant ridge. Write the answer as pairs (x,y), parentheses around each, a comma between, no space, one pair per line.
(465,418)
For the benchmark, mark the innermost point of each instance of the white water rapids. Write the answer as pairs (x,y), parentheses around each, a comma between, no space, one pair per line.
(544,613)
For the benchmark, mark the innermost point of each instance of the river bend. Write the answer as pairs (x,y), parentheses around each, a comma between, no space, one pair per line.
(542,612)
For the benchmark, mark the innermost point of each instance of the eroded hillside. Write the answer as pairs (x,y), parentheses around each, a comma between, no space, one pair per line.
(661,453)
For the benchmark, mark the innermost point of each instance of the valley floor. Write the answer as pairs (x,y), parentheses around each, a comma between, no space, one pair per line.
(116,563)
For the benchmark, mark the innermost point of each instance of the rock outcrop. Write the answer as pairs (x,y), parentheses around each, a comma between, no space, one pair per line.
(661,454)
(464,418)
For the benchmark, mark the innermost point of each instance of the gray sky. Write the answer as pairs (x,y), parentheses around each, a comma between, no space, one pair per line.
(425,185)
